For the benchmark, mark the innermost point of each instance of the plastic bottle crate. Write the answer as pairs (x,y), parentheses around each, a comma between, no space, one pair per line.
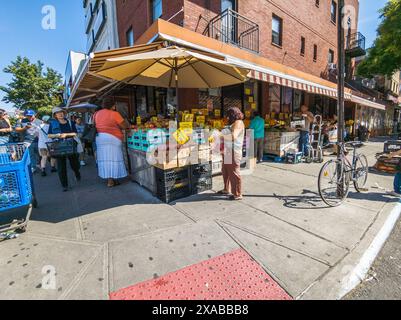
(135,146)
(202,185)
(173,194)
(201,170)
(170,178)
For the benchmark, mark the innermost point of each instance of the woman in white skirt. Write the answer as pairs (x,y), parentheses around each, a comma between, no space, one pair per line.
(109,143)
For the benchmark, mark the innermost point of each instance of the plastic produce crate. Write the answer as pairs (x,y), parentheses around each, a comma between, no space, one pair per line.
(172,194)
(201,170)
(172,177)
(202,185)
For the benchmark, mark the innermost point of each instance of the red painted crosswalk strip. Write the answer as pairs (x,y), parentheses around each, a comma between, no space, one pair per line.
(233,276)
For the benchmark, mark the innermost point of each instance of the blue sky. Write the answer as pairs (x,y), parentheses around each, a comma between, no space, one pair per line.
(21,31)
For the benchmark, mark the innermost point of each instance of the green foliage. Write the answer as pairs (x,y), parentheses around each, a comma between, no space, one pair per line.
(384,58)
(32,86)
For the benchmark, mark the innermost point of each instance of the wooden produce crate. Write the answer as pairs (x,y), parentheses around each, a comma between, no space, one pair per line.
(278,143)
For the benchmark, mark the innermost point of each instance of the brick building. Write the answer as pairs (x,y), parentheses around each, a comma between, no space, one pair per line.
(289,46)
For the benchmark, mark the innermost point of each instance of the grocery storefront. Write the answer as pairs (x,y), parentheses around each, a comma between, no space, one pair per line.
(274,90)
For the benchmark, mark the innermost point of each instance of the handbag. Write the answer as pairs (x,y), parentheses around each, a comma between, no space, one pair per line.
(91,132)
(62,148)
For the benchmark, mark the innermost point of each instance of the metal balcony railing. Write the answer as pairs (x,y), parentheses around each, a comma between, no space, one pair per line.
(355,45)
(231,27)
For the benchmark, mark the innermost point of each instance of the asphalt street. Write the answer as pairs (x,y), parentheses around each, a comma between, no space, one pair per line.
(384,279)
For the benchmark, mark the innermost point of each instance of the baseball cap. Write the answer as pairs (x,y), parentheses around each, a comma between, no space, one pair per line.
(29,113)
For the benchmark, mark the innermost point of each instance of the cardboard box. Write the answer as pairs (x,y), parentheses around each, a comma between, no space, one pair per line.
(186,152)
(205,146)
(184,162)
(167,165)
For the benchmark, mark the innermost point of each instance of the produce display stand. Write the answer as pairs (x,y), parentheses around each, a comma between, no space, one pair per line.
(179,171)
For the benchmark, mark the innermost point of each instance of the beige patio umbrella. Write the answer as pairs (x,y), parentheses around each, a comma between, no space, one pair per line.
(173,67)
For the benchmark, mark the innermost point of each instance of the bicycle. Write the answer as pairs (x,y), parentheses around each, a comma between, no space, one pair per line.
(336,175)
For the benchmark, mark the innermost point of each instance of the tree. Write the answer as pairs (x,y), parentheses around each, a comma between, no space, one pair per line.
(384,58)
(32,86)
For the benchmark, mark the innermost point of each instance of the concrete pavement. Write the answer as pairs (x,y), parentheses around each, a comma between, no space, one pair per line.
(97,240)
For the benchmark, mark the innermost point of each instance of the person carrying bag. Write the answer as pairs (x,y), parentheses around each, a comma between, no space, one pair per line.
(64,145)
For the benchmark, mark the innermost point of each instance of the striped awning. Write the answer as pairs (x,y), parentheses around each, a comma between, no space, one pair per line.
(313,88)
(300,85)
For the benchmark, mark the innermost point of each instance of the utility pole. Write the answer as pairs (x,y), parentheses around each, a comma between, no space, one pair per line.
(340,93)
(341,73)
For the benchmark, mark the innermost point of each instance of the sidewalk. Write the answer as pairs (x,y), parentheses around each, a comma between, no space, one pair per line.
(102,240)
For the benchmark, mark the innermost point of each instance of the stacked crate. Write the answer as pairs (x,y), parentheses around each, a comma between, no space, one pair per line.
(173,184)
(201,177)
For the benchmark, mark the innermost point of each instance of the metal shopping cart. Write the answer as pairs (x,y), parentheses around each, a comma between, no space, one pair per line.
(16,186)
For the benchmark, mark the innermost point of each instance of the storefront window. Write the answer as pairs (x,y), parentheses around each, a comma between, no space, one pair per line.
(275,98)
(171,101)
(287,100)
(210,99)
(232,97)
(161,100)
(299,100)
(141,104)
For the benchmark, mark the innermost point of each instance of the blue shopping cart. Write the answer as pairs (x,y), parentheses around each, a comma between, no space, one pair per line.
(16,184)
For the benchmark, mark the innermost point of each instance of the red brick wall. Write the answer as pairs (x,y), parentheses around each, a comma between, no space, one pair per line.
(199,12)
(137,13)
(300,18)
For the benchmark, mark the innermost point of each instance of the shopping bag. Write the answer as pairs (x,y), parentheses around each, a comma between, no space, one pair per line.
(62,147)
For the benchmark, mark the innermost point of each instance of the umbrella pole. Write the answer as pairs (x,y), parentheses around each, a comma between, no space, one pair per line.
(176,94)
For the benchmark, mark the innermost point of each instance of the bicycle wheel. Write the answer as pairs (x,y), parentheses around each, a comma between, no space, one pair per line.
(333,183)
(361,173)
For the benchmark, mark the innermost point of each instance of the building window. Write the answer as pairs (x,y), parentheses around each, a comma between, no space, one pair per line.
(317,3)
(130,37)
(314,52)
(331,56)
(333,11)
(303,46)
(277,31)
(157,9)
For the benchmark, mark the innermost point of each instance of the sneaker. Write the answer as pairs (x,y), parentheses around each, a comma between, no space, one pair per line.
(65,189)
(44,173)
(83,163)
(78,177)
(53,170)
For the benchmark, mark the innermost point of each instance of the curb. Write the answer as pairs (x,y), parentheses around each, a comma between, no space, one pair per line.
(357,275)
